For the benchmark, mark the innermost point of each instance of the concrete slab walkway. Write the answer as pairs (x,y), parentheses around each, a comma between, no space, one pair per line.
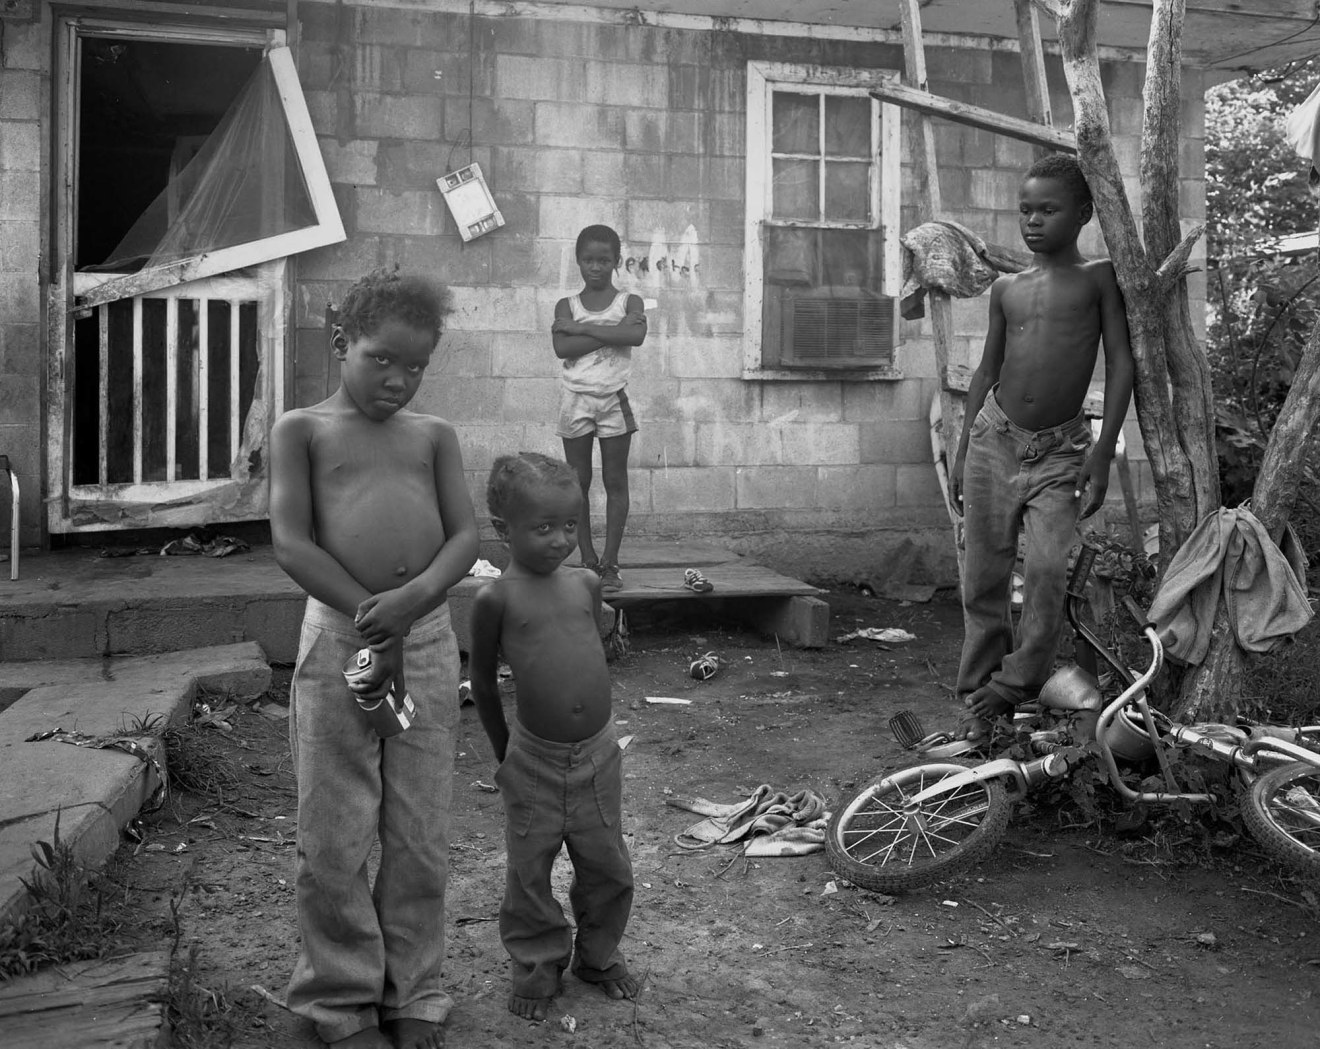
(94,790)
(75,604)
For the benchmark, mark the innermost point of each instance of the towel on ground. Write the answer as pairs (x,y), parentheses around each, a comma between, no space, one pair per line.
(1230,557)
(769,822)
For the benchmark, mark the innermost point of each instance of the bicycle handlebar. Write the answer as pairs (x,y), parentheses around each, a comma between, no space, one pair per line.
(1073,603)
(1135,610)
(1081,570)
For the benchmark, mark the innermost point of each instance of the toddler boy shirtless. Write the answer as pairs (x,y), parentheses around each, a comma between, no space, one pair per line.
(560,770)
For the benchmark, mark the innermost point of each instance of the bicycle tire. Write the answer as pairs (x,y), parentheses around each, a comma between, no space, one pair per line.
(873,843)
(1282,812)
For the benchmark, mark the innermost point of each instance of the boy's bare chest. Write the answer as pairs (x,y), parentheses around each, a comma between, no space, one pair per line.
(344,456)
(558,614)
(1049,298)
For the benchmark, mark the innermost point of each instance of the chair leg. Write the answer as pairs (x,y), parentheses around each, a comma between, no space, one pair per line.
(13,518)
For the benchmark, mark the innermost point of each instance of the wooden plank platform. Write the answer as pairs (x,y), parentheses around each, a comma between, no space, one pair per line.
(736,579)
(108,1004)
(768,601)
(658,553)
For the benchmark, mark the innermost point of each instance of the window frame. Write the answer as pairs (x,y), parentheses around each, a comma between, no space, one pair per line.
(763,79)
(327,229)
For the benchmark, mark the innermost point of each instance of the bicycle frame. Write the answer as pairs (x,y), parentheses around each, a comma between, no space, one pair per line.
(1163,732)
(1245,756)
(925,822)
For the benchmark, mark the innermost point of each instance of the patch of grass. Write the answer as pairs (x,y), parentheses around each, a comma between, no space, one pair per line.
(1283,687)
(67,919)
(200,763)
(203,1017)
(141,724)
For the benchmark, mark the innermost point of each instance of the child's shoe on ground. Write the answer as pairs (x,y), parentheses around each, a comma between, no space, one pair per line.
(703,668)
(610,581)
(693,579)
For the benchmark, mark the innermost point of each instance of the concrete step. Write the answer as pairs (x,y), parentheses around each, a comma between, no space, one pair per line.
(75,604)
(94,791)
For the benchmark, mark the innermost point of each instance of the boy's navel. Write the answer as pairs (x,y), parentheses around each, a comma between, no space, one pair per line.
(401,570)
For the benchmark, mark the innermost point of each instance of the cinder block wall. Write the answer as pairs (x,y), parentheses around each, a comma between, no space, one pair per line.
(22,376)
(643,128)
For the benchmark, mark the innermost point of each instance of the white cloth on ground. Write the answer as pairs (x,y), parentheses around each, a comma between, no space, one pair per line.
(771,823)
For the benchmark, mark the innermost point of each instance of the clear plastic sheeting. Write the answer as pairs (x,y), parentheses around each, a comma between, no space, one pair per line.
(245,184)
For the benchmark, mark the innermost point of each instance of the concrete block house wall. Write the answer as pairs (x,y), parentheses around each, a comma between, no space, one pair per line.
(579,116)
(22,146)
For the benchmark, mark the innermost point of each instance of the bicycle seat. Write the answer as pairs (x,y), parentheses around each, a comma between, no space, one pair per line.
(1071,688)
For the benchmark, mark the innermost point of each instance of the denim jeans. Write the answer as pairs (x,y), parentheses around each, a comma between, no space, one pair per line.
(1016,480)
(556,794)
(371,953)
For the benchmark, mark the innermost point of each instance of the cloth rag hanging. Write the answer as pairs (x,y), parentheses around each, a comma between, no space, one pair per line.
(768,822)
(1230,558)
(946,256)
(1302,130)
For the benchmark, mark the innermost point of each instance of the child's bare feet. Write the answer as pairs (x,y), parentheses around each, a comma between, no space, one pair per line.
(983,706)
(529,1008)
(615,987)
(409,1033)
(368,1038)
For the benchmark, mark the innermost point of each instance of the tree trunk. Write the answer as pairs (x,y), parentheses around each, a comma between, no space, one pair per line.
(1175,400)
(1210,691)
(1164,346)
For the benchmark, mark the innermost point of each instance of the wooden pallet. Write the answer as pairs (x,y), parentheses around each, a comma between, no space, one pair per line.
(114,1004)
(772,603)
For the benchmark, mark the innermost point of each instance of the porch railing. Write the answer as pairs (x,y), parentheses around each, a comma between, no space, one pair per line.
(175,373)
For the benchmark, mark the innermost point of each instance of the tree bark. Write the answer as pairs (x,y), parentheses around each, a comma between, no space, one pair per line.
(1209,692)
(1175,398)
(1152,309)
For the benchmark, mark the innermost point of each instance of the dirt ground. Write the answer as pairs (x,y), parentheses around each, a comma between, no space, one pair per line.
(1068,936)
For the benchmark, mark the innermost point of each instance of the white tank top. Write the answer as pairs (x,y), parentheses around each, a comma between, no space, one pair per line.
(605,370)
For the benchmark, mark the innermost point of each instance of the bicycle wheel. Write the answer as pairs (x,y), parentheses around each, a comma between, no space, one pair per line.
(880,841)
(1283,814)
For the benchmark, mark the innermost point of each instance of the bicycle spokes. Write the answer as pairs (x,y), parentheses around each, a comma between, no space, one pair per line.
(888,828)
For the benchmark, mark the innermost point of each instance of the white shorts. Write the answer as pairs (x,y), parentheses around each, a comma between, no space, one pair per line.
(604,414)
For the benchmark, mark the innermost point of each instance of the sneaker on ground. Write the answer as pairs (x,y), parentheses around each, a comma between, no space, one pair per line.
(609,578)
(693,579)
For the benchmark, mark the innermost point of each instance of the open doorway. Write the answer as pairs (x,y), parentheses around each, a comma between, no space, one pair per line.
(144,109)
(188,172)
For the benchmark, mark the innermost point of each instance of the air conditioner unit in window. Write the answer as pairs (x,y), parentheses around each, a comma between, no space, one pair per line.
(839,327)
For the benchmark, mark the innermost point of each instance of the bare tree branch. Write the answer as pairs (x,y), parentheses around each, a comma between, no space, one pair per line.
(1174,268)
(1054,8)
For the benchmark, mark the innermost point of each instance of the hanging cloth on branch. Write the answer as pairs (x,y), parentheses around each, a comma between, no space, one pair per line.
(1230,558)
(1303,133)
(945,256)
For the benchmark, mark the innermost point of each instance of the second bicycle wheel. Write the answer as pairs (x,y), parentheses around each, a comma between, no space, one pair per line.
(880,840)
(1282,812)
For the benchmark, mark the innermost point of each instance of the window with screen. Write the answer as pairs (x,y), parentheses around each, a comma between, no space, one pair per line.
(822,221)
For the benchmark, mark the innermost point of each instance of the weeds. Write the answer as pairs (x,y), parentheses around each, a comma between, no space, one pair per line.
(200,764)
(1283,687)
(141,724)
(65,920)
(202,1018)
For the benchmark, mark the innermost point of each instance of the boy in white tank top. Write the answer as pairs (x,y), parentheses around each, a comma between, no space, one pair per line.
(593,333)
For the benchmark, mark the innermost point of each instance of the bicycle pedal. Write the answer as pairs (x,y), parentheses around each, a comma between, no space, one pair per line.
(907,729)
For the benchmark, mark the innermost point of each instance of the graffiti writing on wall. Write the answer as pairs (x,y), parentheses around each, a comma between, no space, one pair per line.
(661,264)
(666,273)
(642,264)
